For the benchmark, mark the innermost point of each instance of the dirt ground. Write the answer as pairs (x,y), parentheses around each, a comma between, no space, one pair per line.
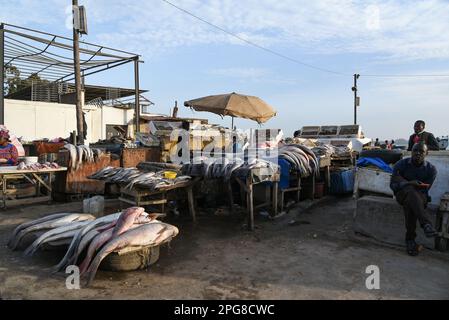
(318,257)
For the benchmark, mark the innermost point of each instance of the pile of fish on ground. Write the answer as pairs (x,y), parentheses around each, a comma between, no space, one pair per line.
(210,168)
(80,154)
(97,238)
(131,177)
(38,166)
(301,158)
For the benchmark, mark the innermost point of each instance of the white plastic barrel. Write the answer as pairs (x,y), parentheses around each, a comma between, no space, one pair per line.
(94,206)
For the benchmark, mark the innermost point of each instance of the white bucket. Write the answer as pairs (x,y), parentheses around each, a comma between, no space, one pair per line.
(94,206)
(30,160)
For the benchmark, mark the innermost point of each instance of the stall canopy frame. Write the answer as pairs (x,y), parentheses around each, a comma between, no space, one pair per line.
(32,53)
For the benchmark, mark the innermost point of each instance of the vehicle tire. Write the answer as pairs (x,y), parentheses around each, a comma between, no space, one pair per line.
(131,261)
(388,156)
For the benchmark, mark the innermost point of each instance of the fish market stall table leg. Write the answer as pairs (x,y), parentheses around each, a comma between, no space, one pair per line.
(254,177)
(41,180)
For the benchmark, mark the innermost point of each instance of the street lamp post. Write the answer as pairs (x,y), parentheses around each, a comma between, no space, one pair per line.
(356,98)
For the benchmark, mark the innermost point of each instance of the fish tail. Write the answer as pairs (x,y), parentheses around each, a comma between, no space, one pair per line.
(84,266)
(30,251)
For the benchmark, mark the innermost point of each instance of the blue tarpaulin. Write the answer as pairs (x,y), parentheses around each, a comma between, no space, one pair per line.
(363,162)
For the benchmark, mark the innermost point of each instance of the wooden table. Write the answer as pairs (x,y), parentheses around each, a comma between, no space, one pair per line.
(324,167)
(139,196)
(35,177)
(247,186)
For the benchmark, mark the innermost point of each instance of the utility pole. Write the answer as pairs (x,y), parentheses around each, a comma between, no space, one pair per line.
(2,73)
(356,98)
(137,93)
(76,60)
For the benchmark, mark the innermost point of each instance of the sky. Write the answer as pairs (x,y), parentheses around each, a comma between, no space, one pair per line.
(301,63)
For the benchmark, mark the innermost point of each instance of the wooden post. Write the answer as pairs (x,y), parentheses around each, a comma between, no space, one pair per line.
(275,198)
(137,94)
(164,197)
(77,71)
(313,187)
(298,192)
(231,197)
(250,203)
(191,203)
(282,200)
(2,74)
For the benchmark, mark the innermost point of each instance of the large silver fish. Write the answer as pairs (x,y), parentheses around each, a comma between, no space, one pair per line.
(33,222)
(131,218)
(59,222)
(51,234)
(151,234)
(73,155)
(72,254)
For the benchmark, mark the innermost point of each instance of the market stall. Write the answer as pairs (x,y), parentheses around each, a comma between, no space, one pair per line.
(144,188)
(247,174)
(21,187)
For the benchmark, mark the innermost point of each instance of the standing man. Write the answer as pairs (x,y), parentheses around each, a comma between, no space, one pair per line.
(377,143)
(411,180)
(422,136)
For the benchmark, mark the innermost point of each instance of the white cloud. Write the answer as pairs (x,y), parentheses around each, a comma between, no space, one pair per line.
(254,75)
(396,29)
(242,73)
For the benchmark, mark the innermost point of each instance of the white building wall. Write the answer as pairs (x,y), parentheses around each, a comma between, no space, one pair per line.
(37,120)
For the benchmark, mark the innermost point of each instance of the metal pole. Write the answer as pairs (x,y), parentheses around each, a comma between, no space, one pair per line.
(76,60)
(354,88)
(137,84)
(232,123)
(2,74)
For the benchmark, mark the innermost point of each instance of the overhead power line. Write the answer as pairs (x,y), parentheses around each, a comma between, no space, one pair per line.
(295,60)
(255,44)
(405,75)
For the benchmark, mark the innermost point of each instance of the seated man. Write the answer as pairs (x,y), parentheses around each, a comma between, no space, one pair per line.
(411,180)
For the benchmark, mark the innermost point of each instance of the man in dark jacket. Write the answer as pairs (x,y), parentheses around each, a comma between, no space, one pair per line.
(411,180)
(422,136)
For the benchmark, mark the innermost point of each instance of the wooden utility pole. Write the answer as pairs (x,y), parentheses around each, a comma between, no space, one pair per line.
(2,74)
(137,93)
(76,60)
(356,99)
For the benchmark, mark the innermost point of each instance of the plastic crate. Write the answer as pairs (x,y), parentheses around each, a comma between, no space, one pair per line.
(342,181)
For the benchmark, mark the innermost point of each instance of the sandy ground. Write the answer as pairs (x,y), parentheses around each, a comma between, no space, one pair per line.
(319,257)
